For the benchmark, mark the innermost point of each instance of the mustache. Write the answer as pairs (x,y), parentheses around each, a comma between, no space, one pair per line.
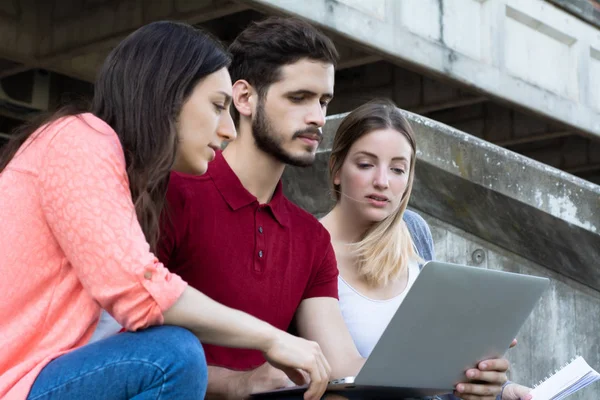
(311,130)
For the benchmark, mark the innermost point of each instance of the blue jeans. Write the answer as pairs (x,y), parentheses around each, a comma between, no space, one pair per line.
(164,362)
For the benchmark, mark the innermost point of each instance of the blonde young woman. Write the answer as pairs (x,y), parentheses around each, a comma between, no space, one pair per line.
(379,244)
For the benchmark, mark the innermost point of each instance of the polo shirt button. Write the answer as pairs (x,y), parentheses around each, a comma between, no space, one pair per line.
(260,253)
(260,229)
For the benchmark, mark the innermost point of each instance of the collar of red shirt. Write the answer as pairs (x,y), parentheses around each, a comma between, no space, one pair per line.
(236,195)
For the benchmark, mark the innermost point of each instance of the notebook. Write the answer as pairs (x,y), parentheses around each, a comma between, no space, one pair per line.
(572,377)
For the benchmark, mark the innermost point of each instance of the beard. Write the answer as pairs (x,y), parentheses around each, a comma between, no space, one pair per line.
(269,142)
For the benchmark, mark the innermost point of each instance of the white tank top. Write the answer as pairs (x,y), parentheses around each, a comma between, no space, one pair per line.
(367,318)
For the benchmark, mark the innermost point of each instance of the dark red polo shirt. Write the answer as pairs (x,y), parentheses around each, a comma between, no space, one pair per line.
(263,259)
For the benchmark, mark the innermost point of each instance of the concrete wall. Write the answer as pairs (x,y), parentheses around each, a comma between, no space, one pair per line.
(496,209)
(529,53)
(564,322)
(74,36)
(560,147)
(587,10)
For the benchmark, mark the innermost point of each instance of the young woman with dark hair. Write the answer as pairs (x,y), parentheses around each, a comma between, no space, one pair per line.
(80,199)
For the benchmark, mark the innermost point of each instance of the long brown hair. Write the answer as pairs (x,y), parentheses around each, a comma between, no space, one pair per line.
(386,248)
(139,92)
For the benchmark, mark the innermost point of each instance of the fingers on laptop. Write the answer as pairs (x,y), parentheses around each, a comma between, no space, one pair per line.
(494,377)
(473,391)
(288,352)
(473,397)
(319,370)
(497,364)
(297,376)
(491,372)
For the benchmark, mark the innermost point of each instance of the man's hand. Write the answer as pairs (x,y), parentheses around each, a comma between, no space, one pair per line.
(484,382)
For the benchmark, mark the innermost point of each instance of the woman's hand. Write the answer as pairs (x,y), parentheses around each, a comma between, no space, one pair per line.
(484,382)
(514,391)
(294,355)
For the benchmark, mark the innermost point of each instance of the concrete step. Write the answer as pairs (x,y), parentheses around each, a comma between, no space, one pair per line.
(534,211)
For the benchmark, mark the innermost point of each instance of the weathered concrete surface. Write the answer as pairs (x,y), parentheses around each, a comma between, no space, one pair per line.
(73,37)
(540,139)
(588,10)
(522,216)
(533,210)
(563,324)
(531,54)
(18,33)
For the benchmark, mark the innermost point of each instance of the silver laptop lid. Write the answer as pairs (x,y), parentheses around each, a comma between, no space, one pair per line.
(452,317)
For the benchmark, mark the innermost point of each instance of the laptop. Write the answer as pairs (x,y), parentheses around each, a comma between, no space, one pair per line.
(453,317)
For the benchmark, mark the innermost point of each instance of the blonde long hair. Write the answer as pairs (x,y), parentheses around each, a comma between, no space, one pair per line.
(386,248)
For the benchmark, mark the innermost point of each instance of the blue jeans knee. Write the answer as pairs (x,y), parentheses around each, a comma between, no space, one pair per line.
(163,362)
(185,354)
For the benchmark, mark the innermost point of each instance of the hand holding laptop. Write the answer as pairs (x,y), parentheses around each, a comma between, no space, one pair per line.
(425,349)
(485,381)
(490,376)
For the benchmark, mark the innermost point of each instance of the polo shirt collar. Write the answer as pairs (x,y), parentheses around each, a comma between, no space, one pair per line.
(237,196)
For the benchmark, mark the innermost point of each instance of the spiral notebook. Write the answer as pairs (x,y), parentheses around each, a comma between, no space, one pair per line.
(564,382)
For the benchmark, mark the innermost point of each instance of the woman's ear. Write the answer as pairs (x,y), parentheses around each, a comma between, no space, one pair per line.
(243,98)
(336,176)
(336,179)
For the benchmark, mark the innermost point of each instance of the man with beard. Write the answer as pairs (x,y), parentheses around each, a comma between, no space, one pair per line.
(232,233)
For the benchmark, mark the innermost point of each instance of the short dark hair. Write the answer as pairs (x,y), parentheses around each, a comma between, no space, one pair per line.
(260,50)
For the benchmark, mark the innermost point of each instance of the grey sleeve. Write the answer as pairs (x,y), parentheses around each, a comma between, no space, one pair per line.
(421,234)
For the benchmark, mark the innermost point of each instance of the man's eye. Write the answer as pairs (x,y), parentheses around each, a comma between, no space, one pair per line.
(296,99)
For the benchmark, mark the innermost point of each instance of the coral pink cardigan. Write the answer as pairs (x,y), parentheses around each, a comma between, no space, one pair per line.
(70,245)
